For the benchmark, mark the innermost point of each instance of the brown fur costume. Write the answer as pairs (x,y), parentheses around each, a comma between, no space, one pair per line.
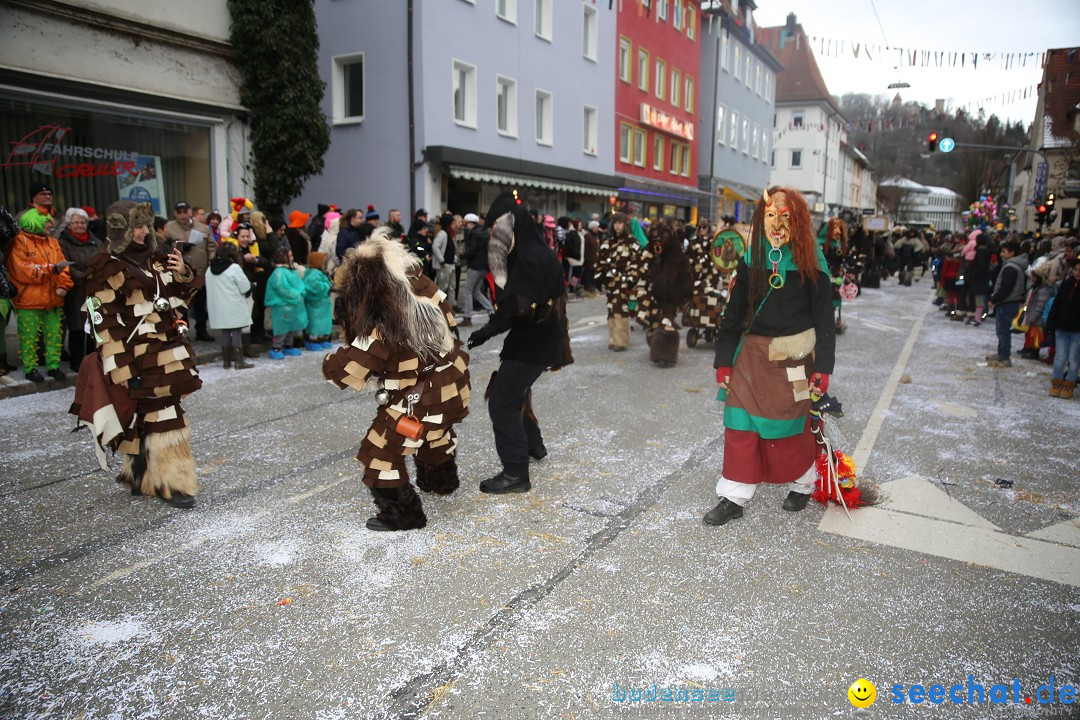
(401,325)
(620,268)
(141,349)
(668,289)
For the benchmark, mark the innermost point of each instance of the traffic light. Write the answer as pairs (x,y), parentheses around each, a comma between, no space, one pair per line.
(1040,213)
(931,142)
(1050,202)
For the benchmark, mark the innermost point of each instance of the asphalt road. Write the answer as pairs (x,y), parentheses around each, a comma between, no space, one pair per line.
(271,600)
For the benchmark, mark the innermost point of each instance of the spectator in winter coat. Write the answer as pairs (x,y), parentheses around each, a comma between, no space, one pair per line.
(37,267)
(285,298)
(320,311)
(227,293)
(79,246)
(476,251)
(257,266)
(1064,322)
(1009,291)
(443,256)
(348,232)
(592,254)
(977,279)
(197,246)
(397,230)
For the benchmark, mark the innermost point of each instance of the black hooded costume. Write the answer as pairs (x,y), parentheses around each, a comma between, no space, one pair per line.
(531,305)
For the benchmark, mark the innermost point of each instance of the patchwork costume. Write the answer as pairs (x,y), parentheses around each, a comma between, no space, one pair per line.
(776,343)
(620,268)
(712,261)
(403,342)
(129,391)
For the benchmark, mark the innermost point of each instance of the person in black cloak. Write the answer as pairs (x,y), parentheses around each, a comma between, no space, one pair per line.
(531,305)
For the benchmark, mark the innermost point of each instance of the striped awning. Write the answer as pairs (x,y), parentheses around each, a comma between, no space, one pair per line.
(500,178)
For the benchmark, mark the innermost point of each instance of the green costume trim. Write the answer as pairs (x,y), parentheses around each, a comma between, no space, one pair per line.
(737,418)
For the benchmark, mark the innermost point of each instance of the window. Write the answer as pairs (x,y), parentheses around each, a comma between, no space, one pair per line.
(764,143)
(348,89)
(676,87)
(738,61)
(796,158)
(721,129)
(772,160)
(643,69)
(733,136)
(464,94)
(745,136)
(724,40)
(506,106)
(661,77)
(768,86)
(626,143)
(691,27)
(689,94)
(797,118)
(639,147)
(754,141)
(749,60)
(676,158)
(588,32)
(544,117)
(624,59)
(542,18)
(677,16)
(507,10)
(588,130)
(757,78)
(658,152)
(661,9)
(685,160)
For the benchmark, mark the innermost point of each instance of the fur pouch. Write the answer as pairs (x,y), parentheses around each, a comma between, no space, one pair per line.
(793,347)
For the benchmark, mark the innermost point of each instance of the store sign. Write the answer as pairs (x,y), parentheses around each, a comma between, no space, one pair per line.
(43,151)
(668,123)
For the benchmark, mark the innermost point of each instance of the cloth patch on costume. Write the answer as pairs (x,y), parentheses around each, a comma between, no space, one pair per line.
(793,347)
(362,343)
(377,464)
(801,395)
(433,419)
(413,443)
(376,439)
(389,474)
(796,373)
(162,415)
(407,365)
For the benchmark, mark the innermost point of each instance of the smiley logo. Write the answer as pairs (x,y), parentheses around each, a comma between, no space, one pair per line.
(862,693)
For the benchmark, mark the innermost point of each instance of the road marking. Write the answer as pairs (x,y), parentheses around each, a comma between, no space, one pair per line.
(873,427)
(878,326)
(1066,533)
(973,540)
(916,496)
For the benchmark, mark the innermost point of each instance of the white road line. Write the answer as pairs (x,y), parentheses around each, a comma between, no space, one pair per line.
(877,417)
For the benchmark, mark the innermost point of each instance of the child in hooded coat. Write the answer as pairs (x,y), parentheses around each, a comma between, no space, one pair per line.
(320,310)
(285,297)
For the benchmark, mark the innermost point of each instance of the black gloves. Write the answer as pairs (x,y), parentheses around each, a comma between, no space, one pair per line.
(478,338)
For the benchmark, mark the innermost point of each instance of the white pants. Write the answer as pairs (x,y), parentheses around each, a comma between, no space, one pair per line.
(742,493)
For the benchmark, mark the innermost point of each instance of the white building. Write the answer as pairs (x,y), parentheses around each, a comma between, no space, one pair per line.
(922,206)
(120,99)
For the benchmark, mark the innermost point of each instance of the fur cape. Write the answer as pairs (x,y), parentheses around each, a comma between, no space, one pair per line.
(375,286)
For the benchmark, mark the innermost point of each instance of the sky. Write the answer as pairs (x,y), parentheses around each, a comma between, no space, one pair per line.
(983,26)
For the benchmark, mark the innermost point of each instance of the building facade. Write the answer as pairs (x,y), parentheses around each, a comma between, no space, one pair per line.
(109,105)
(809,129)
(738,93)
(484,109)
(922,206)
(657,83)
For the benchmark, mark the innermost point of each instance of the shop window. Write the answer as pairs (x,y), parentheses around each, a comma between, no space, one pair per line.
(348,88)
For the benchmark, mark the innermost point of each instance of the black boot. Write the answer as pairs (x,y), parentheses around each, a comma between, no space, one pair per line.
(245,340)
(441,479)
(504,483)
(238,359)
(399,509)
(723,512)
(795,501)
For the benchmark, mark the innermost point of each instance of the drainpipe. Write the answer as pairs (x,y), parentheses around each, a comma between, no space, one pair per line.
(412,111)
(713,202)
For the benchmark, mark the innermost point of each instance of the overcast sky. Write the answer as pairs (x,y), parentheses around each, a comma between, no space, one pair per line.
(986,26)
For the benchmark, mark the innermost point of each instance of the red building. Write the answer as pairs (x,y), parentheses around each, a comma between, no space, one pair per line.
(658,57)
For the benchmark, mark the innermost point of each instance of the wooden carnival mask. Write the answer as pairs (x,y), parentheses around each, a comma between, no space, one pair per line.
(777,218)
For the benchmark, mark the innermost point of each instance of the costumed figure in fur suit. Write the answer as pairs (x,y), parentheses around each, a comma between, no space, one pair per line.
(531,305)
(668,288)
(403,341)
(129,391)
(776,345)
(834,240)
(620,268)
(712,262)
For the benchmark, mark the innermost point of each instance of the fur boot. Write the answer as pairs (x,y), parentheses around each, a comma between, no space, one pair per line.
(399,507)
(1067,389)
(618,333)
(664,349)
(441,479)
(132,471)
(170,468)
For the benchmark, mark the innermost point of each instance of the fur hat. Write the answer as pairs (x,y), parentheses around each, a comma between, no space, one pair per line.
(376,294)
(121,218)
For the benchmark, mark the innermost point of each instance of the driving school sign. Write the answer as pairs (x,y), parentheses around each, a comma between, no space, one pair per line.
(43,150)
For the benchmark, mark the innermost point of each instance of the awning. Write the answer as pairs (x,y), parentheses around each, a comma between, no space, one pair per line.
(500,178)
